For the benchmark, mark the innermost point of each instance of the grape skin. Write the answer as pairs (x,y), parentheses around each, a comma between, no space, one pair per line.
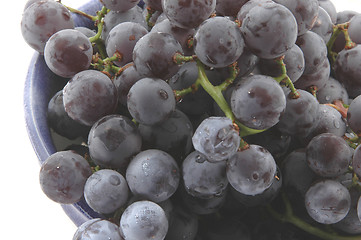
(258,101)
(153,175)
(216,138)
(354,115)
(119,5)
(98,229)
(89,96)
(328,201)
(144,220)
(63,176)
(41,20)
(105,191)
(218,42)
(262,34)
(150,101)
(251,171)
(68,52)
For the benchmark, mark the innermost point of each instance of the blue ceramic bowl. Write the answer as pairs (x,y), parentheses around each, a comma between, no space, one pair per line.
(40,85)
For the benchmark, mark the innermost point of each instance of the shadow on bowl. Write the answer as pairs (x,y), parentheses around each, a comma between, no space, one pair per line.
(40,85)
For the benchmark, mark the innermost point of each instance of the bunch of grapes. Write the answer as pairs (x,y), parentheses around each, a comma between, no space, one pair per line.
(205,119)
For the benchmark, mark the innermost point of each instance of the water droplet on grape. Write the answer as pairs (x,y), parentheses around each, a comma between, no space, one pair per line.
(327,98)
(200,159)
(163,94)
(336,123)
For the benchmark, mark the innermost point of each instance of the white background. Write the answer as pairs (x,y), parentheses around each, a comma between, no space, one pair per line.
(25,212)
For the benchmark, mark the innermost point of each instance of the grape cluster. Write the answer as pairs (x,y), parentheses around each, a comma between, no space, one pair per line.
(205,119)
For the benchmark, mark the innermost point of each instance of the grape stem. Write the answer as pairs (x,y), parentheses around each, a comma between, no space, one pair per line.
(216,93)
(285,79)
(337,30)
(73,10)
(289,217)
(150,13)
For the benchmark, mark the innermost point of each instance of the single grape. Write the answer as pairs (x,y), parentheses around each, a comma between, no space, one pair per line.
(188,14)
(153,55)
(68,52)
(105,191)
(261,31)
(218,42)
(63,176)
(153,175)
(330,9)
(229,7)
(258,101)
(41,20)
(203,179)
(144,220)
(119,5)
(216,138)
(328,155)
(151,101)
(333,90)
(251,171)
(122,39)
(98,229)
(328,201)
(89,96)
(356,161)
(113,141)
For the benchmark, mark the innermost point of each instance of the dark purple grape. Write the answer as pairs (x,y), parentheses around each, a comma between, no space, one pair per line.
(314,51)
(151,101)
(262,34)
(41,20)
(153,175)
(348,70)
(144,220)
(188,13)
(63,176)
(323,26)
(105,191)
(216,138)
(258,101)
(113,141)
(354,29)
(182,35)
(354,115)
(98,229)
(301,115)
(305,12)
(328,155)
(218,42)
(173,136)
(229,7)
(315,79)
(122,39)
(330,9)
(246,63)
(113,18)
(119,5)
(60,121)
(332,91)
(251,171)
(328,201)
(248,6)
(153,55)
(125,81)
(89,96)
(295,64)
(264,198)
(356,161)
(68,52)
(331,121)
(203,179)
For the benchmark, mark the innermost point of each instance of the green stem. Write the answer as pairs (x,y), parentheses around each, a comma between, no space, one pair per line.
(234,70)
(285,79)
(179,58)
(150,13)
(97,36)
(216,94)
(289,217)
(335,33)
